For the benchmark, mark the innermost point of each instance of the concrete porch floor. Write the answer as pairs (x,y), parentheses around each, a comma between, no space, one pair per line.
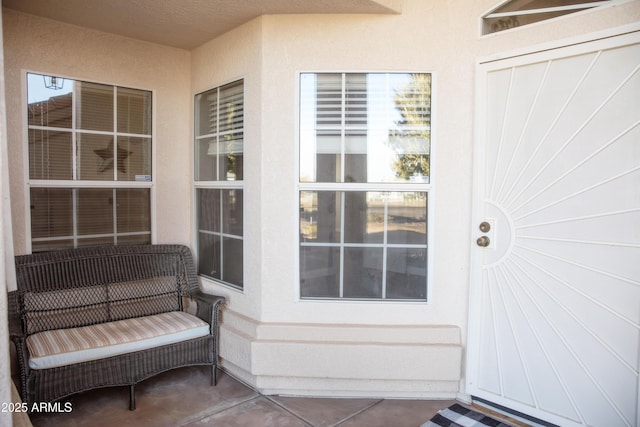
(184,397)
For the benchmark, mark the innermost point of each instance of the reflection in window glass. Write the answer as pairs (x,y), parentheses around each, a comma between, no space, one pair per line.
(50,154)
(134,111)
(94,108)
(366,128)
(219,174)
(363,245)
(220,231)
(72,145)
(365,181)
(133,158)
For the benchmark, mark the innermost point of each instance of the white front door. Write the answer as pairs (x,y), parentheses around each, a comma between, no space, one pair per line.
(554,327)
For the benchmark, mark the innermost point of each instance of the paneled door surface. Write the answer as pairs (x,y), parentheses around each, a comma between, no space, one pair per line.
(554,324)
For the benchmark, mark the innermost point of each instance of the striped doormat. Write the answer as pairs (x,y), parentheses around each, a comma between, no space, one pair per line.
(459,416)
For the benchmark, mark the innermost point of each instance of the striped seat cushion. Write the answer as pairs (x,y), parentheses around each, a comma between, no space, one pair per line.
(67,346)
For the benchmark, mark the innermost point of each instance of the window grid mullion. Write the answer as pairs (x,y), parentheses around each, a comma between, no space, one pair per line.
(385,220)
(115,136)
(342,212)
(343,125)
(218,136)
(221,212)
(74,210)
(115,216)
(74,136)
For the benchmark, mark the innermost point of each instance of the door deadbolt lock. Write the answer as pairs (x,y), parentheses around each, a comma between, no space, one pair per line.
(483,241)
(485,227)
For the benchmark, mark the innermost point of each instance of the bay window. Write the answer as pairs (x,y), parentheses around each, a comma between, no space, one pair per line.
(365,144)
(219,146)
(89,148)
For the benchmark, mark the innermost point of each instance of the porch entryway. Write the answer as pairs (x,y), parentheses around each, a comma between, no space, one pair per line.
(555,285)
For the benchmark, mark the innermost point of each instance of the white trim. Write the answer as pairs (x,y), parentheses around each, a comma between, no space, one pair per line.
(342,187)
(75,183)
(220,184)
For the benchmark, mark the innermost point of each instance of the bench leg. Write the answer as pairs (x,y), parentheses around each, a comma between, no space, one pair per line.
(214,379)
(132,397)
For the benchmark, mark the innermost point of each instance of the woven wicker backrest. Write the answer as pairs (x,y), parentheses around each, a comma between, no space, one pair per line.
(84,286)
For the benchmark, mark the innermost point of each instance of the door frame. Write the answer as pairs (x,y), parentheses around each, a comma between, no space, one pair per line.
(553,50)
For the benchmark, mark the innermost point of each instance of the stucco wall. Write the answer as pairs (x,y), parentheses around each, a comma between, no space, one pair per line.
(442,37)
(40,45)
(233,56)
(269,337)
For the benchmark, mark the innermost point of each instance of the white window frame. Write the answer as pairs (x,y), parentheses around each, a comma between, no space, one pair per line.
(429,188)
(86,184)
(216,185)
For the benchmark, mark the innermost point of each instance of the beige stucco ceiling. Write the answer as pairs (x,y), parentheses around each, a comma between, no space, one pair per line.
(183,23)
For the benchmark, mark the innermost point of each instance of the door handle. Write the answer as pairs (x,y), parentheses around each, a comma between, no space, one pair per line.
(483,241)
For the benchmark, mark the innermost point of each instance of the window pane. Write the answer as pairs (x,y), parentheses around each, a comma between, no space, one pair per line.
(363,272)
(356,100)
(51,212)
(134,111)
(376,227)
(95,211)
(355,157)
(49,107)
(232,202)
(94,110)
(232,253)
(220,255)
(206,159)
(363,217)
(133,210)
(207,113)
(407,218)
(208,210)
(231,110)
(328,100)
(230,158)
(319,272)
(209,255)
(328,158)
(95,155)
(320,216)
(134,159)
(406,273)
(365,127)
(50,155)
(220,119)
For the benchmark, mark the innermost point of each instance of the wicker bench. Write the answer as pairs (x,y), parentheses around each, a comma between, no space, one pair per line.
(108,316)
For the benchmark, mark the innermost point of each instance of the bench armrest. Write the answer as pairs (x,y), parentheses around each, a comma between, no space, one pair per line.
(18,338)
(208,307)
